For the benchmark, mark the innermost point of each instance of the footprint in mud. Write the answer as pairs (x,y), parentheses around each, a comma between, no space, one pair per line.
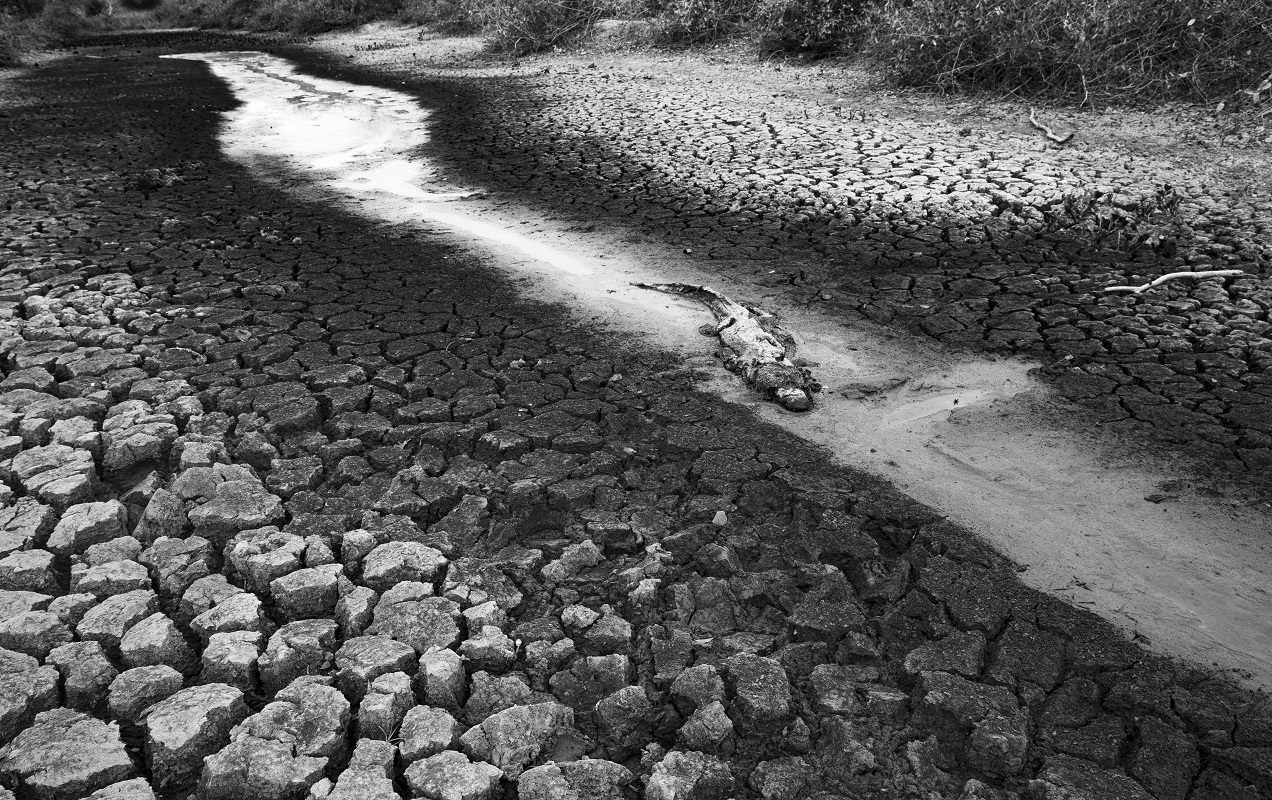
(874,390)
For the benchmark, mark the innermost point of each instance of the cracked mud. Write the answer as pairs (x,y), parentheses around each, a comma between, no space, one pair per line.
(360,146)
(300,505)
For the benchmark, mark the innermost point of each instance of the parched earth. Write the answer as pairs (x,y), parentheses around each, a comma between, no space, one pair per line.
(951,219)
(295,508)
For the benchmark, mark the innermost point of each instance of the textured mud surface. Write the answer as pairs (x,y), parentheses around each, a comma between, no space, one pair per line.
(1189,575)
(961,225)
(967,241)
(296,507)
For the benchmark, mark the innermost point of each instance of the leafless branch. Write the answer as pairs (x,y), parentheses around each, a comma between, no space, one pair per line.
(1050,134)
(1174,276)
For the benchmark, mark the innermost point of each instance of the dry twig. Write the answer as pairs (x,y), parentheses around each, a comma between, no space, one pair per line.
(1050,134)
(1173,276)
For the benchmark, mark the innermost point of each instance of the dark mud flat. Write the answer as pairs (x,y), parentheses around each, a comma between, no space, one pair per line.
(268,464)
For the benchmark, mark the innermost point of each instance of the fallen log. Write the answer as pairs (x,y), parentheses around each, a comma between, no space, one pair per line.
(753,346)
(1174,276)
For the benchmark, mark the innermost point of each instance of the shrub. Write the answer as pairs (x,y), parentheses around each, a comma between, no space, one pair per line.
(452,16)
(200,13)
(517,25)
(294,16)
(527,26)
(630,9)
(28,25)
(315,16)
(16,39)
(24,9)
(818,27)
(702,21)
(1125,222)
(1124,49)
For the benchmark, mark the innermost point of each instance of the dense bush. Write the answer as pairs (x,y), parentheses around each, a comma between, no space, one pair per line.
(699,21)
(819,27)
(1126,49)
(312,16)
(26,25)
(21,8)
(517,25)
(1145,50)
(202,13)
(1129,50)
(295,16)
(15,39)
(450,15)
(526,26)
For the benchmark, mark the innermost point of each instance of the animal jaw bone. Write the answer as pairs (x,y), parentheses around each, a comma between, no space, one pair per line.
(753,346)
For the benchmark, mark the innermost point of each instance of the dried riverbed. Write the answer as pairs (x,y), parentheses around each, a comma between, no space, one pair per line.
(256,434)
(1040,493)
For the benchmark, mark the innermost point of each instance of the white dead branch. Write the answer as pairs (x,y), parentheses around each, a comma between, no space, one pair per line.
(1050,134)
(753,346)
(1174,276)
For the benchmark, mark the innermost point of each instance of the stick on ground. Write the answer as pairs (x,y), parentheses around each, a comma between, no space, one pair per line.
(1174,276)
(752,345)
(1050,134)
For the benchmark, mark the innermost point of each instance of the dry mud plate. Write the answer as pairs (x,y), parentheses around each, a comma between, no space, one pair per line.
(301,504)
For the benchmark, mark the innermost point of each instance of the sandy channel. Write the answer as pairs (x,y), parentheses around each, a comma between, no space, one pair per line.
(1190,577)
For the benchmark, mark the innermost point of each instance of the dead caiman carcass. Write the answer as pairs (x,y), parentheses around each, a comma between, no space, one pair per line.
(754,346)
